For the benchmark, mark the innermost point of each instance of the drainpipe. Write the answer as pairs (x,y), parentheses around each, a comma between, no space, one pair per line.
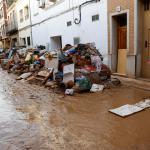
(136,26)
(78,20)
(31,22)
(136,33)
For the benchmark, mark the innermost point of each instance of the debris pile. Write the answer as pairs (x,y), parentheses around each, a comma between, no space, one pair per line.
(71,69)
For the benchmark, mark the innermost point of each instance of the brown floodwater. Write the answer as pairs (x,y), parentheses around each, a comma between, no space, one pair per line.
(34,118)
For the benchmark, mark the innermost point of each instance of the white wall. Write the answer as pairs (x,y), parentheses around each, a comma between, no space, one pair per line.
(56,25)
(25,26)
(12,20)
(20,5)
(24,34)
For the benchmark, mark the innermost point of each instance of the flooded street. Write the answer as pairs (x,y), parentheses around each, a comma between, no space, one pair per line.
(33,118)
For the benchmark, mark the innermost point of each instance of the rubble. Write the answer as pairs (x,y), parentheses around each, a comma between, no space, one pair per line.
(76,68)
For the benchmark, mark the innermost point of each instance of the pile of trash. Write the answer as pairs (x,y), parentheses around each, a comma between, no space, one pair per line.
(71,69)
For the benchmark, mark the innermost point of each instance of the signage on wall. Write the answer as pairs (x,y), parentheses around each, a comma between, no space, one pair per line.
(118,8)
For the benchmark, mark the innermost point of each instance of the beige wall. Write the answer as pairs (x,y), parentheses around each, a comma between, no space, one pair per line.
(125,5)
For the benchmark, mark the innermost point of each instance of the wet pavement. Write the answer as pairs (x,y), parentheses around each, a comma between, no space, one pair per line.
(33,118)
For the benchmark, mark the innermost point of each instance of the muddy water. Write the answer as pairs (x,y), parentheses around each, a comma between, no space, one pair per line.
(33,118)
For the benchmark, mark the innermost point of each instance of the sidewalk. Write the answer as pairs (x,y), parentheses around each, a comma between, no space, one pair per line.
(138,83)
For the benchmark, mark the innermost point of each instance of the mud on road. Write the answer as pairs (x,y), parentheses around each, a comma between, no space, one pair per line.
(33,118)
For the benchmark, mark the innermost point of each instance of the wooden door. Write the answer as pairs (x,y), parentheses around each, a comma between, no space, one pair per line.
(122,37)
(122,50)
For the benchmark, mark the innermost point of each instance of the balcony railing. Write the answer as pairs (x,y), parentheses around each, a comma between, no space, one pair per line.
(12,28)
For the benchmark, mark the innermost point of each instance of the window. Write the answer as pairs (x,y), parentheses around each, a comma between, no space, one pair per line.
(26,12)
(95,18)
(24,41)
(146,5)
(51,2)
(69,23)
(28,41)
(76,40)
(47,3)
(11,17)
(1,13)
(21,15)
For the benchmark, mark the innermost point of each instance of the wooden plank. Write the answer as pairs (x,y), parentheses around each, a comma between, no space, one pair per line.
(122,61)
(122,37)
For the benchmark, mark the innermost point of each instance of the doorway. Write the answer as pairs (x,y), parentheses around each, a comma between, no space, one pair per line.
(119,43)
(56,42)
(14,42)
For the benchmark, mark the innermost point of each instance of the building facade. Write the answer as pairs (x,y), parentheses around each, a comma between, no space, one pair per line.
(120,29)
(3,23)
(24,22)
(55,24)
(12,26)
(129,48)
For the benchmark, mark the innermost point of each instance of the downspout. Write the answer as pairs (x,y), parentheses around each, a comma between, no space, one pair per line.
(31,23)
(136,33)
(78,20)
(136,26)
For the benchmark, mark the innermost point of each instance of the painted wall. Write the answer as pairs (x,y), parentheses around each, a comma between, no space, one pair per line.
(125,5)
(20,5)
(24,27)
(24,34)
(52,21)
(2,19)
(12,20)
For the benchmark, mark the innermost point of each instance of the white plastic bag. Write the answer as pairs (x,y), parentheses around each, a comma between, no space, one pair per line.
(97,88)
(69,92)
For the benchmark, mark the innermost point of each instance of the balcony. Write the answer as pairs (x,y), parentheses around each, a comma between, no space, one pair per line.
(12,28)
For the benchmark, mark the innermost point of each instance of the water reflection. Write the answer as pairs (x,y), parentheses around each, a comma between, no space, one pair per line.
(6,108)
